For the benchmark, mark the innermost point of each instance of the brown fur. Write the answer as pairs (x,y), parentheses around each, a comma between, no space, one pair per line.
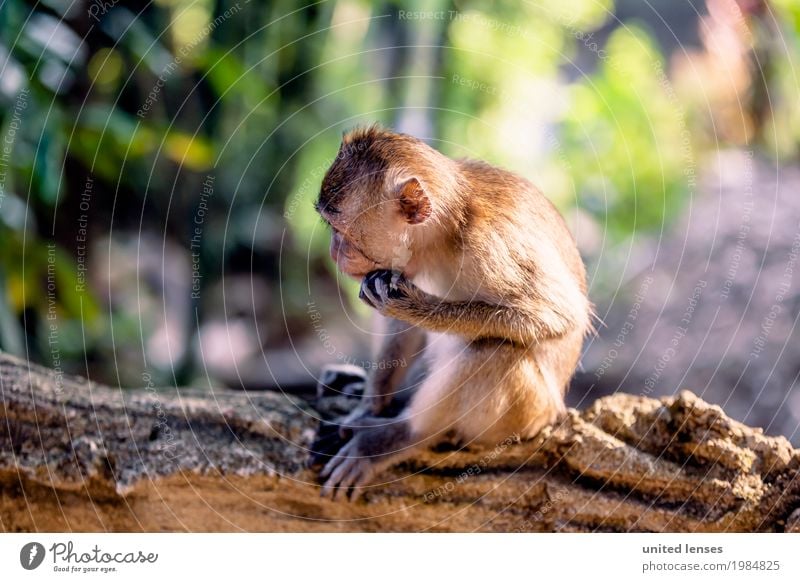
(482,262)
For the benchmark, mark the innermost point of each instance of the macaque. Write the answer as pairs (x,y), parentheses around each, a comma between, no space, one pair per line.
(482,289)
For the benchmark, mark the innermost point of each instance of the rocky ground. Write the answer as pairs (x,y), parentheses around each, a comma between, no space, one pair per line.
(75,456)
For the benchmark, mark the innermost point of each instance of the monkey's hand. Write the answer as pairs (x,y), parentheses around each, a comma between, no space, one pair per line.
(390,293)
(371,450)
(361,416)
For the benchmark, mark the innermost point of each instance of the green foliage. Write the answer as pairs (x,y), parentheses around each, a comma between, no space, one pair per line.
(624,131)
(149,99)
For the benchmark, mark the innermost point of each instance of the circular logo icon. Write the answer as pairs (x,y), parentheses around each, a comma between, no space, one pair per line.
(31,555)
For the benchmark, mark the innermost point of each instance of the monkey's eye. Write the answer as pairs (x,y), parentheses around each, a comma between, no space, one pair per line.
(325,208)
(329,209)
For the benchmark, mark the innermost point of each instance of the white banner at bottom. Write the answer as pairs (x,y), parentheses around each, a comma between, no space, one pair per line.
(390,557)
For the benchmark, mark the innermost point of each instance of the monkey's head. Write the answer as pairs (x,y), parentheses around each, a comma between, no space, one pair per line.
(373,197)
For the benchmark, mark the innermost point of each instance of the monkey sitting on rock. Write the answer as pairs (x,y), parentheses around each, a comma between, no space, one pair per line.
(483,294)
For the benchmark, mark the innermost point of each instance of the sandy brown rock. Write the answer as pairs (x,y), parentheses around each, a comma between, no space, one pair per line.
(75,456)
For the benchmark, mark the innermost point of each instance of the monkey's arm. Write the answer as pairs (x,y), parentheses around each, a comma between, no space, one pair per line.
(399,347)
(524,325)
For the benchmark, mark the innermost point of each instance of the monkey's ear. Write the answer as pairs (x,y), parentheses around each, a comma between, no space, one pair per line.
(415,206)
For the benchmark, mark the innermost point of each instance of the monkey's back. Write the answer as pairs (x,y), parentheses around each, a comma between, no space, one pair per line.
(527,257)
(516,229)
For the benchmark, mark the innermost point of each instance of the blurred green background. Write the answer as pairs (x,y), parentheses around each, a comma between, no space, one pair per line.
(160,159)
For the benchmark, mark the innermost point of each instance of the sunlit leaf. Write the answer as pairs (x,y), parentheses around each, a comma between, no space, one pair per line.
(195,153)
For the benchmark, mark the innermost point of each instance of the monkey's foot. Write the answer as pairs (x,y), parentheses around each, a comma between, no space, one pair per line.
(335,381)
(347,472)
(341,379)
(327,443)
(371,450)
(333,435)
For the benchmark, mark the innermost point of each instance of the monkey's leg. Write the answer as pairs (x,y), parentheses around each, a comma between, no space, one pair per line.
(433,411)
(334,380)
(376,445)
(332,434)
(400,347)
(503,393)
(485,393)
(393,379)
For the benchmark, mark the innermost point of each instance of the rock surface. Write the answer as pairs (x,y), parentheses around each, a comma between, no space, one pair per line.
(75,456)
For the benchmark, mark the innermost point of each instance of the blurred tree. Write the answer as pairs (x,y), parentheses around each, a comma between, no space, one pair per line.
(171,150)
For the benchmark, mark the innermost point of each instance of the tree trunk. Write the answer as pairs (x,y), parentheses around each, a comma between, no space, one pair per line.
(76,456)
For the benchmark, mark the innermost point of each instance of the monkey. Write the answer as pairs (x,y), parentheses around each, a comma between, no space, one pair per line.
(482,290)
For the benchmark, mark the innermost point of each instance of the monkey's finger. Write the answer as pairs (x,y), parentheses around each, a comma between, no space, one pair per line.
(372,295)
(333,486)
(360,485)
(329,467)
(381,290)
(380,274)
(364,295)
(335,461)
(328,488)
(351,477)
(369,297)
(376,285)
